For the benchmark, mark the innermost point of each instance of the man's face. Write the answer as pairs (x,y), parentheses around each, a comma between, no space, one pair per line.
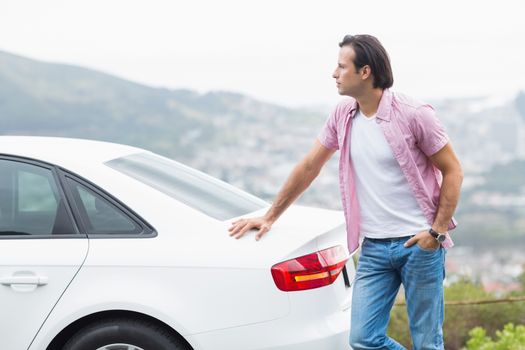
(349,80)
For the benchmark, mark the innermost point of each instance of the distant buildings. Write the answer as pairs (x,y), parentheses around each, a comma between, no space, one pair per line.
(496,269)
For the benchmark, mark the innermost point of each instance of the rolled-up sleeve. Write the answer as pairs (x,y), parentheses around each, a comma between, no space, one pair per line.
(328,134)
(429,131)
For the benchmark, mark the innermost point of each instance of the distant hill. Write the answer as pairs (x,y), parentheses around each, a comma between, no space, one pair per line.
(39,98)
(493,212)
(254,145)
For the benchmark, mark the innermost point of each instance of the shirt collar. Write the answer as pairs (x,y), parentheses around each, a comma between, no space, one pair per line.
(383,110)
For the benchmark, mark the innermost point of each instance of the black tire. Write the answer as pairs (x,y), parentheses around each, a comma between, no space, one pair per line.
(134,333)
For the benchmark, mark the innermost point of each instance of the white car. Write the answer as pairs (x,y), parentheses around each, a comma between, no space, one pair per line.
(109,247)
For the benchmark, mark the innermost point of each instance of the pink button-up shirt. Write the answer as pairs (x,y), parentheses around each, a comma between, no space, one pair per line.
(413,132)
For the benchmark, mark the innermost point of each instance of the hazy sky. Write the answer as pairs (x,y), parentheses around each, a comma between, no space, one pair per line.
(276,50)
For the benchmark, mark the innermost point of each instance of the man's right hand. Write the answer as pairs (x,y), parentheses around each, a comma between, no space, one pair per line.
(301,177)
(241,226)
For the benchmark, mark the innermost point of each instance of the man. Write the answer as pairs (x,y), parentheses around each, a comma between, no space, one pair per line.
(400,183)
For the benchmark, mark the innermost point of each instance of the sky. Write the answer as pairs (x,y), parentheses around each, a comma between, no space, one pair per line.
(279,51)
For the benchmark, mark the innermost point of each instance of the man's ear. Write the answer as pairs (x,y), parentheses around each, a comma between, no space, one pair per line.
(365,72)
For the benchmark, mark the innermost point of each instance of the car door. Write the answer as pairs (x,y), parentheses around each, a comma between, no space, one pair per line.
(41,249)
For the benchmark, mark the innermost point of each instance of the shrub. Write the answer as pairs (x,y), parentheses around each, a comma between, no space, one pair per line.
(460,319)
(510,338)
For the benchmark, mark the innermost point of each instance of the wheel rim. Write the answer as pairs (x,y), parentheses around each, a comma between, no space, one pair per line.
(120,346)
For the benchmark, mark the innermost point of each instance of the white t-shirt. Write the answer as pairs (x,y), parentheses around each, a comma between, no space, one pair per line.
(388,207)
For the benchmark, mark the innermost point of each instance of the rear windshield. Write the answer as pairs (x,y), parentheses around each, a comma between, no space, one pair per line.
(202,192)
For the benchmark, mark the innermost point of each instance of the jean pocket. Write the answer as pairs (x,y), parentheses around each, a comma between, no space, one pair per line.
(428,250)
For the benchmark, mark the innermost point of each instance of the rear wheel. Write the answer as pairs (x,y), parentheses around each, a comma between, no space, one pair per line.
(125,334)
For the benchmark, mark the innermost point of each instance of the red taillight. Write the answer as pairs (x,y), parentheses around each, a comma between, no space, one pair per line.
(310,271)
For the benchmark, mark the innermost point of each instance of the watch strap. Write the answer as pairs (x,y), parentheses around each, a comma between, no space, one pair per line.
(434,233)
(440,237)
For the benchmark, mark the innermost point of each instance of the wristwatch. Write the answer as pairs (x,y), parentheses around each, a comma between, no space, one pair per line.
(440,237)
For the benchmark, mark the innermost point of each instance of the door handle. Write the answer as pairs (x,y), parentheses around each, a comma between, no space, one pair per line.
(24,279)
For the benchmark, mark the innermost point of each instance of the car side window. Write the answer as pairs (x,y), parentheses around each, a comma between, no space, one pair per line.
(98,214)
(30,202)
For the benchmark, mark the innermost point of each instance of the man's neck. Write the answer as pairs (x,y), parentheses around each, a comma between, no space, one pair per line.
(369,102)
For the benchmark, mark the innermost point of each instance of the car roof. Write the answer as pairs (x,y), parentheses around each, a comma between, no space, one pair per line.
(64,151)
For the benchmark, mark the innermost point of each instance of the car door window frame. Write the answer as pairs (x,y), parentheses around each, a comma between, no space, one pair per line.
(147,231)
(62,196)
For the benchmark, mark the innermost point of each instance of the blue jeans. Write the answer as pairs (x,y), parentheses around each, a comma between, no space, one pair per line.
(382,267)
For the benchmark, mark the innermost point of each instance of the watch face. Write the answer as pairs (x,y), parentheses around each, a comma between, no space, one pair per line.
(441,238)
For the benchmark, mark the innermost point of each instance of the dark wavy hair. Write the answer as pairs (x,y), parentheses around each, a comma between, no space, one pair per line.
(369,52)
